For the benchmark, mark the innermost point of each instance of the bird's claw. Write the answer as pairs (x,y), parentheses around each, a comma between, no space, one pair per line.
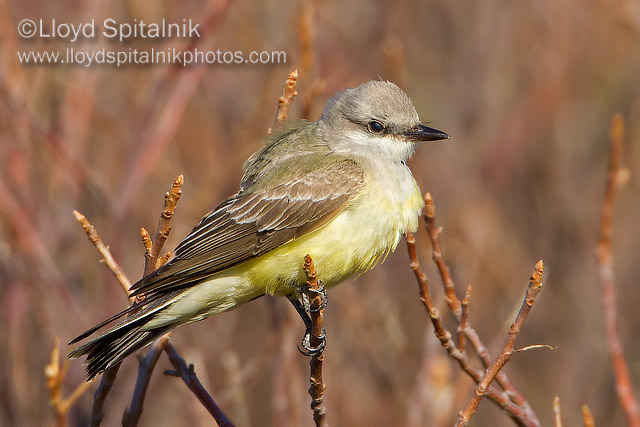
(307,349)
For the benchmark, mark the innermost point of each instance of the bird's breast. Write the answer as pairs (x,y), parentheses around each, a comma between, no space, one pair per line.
(357,239)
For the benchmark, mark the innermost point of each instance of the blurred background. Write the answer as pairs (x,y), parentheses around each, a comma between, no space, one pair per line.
(525,89)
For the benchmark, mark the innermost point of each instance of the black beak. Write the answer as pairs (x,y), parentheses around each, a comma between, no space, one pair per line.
(422,133)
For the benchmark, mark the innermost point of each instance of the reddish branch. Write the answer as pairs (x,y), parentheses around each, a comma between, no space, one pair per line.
(109,376)
(152,252)
(535,286)
(317,388)
(107,258)
(434,233)
(616,178)
(464,319)
(519,414)
(449,288)
(288,93)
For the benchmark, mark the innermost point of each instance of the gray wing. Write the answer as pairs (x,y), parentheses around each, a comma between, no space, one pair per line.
(252,223)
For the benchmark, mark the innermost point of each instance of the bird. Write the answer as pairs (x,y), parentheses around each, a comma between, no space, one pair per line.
(338,189)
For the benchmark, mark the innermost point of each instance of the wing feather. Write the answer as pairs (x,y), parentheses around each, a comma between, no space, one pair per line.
(252,223)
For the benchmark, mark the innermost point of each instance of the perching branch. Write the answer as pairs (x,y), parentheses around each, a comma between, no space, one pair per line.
(317,388)
(616,179)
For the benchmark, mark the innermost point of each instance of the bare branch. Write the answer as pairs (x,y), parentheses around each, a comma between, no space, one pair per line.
(171,199)
(557,416)
(587,418)
(519,414)
(288,93)
(109,376)
(535,347)
(535,285)
(434,234)
(449,287)
(55,374)
(132,415)
(616,178)
(92,234)
(152,261)
(100,396)
(188,375)
(464,319)
(317,388)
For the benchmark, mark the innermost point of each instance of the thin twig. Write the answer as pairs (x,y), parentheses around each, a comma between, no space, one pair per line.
(449,287)
(317,388)
(616,178)
(188,375)
(534,347)
(55,374)
(519,414)
(104,251)
(464,319)
(101,393)
(171,199)
(557,416)
(434,234)
(288,93)
(535,285)
(109,376)
(147,364)
(587,418)
(132,415)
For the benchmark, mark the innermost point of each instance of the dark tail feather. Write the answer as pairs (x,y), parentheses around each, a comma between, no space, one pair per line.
(124,338)
(111,348)
(102,324)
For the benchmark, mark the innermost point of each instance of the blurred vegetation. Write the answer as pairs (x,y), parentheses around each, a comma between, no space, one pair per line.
(525,89)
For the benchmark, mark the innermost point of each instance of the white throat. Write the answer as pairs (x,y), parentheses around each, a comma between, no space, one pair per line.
(386,148)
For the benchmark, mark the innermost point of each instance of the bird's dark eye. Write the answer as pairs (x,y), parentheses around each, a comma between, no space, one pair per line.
(375,126)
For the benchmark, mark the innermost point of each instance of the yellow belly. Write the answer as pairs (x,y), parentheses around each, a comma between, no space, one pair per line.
(352,243)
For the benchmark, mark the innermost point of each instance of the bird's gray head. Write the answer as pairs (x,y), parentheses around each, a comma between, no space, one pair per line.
(376,117)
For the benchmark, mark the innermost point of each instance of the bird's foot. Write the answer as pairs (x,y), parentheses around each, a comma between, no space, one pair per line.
(304,309)
(307,349)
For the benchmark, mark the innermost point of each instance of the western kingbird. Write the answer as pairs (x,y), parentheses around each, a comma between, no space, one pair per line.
(338,189)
